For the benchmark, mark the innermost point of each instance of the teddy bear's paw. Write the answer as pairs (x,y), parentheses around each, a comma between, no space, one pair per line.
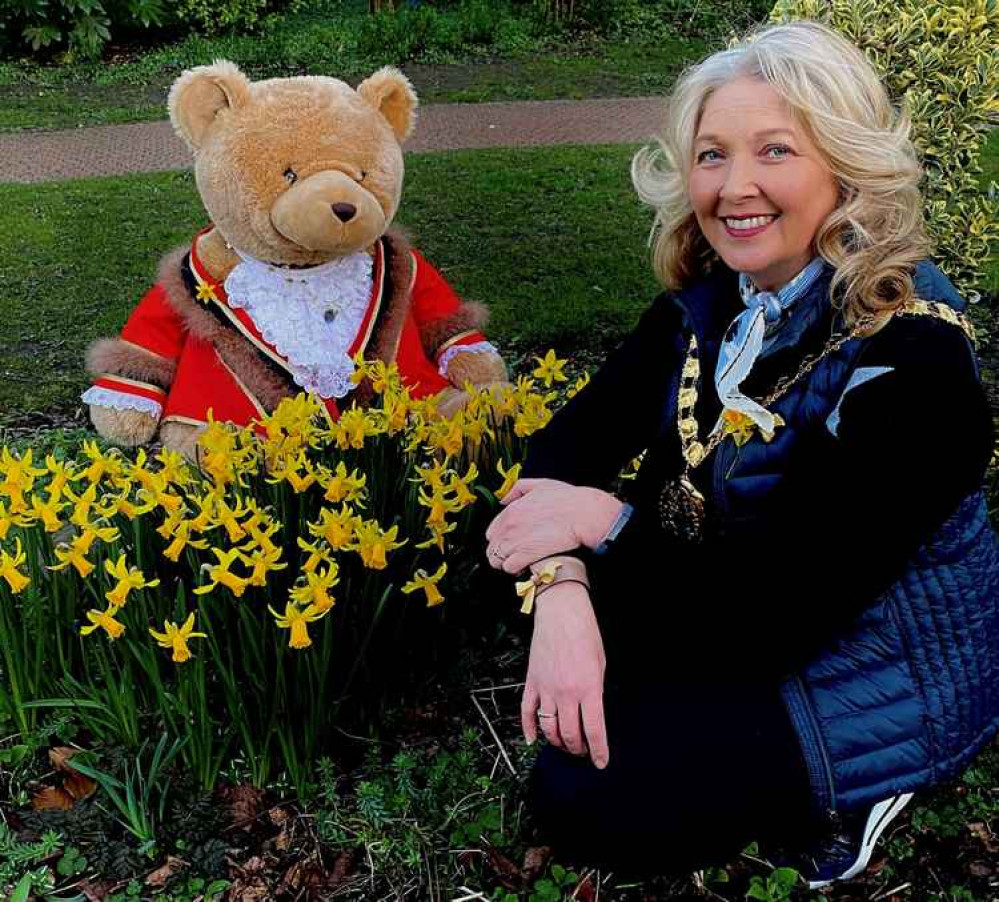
(182,438)
(450,401)
(479,368)
(123,427)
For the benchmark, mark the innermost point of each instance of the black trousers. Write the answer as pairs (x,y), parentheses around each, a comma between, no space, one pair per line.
(703,761)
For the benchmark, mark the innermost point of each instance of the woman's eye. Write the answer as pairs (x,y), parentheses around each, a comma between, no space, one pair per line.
(777,151)
(290,176)
(704,156)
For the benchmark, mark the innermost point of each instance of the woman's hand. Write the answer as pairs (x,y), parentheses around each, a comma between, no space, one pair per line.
(545,517)
(565,674)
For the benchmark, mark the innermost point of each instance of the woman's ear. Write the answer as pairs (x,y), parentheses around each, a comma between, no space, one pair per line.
(392,94)
(201,94)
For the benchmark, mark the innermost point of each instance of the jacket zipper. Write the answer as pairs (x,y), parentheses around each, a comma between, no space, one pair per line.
(813,745)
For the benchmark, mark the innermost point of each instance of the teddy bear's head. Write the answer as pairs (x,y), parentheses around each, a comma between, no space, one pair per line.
(295,170)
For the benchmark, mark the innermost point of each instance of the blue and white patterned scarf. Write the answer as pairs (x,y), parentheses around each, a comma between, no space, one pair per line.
(748,334)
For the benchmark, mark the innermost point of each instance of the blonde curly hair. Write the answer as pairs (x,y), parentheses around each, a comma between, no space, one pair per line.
(876,234)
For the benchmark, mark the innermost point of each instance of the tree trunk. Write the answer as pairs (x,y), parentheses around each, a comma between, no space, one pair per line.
(377,6)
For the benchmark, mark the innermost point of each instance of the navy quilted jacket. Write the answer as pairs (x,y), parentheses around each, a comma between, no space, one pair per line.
(875,572)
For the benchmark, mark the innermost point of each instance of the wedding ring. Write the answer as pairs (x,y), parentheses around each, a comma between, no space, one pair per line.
(546,714)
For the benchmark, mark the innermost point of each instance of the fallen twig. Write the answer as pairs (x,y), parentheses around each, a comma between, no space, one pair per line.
(494,734)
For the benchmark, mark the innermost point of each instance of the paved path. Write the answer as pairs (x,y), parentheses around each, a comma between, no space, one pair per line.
(153,147)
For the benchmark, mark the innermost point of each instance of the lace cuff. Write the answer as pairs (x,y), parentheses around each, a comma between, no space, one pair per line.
(119,400)
(478,347)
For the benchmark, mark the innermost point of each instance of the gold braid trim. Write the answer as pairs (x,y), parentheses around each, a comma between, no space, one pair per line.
(944,312)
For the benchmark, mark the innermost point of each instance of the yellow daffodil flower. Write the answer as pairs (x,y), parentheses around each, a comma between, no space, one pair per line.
(297,621)
(11,518)
(373,544)
(18,478)
(262,562)
(105,621)
(74,555)
(47,511)
(337,528)
(437,534)
(440,506)
(314,591)
(62,474)
(82,504)
(428,584)
(352,428)
(550,369)
(180,538)
(8,568)
(220,575)
(317,555)
(578,386)
(343,487)
(177,637)
(128,579)
(509,478)
(460,485)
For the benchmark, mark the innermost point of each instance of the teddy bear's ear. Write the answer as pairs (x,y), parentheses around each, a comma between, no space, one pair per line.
(390,92)
(200,94)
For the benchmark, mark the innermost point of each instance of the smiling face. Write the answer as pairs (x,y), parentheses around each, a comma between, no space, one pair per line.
(758,185)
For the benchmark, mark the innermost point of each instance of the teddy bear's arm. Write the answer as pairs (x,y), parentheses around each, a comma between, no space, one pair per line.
(133,373)
(451,330)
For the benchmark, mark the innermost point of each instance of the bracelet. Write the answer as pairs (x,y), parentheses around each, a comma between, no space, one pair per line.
(547,573)
(619,523)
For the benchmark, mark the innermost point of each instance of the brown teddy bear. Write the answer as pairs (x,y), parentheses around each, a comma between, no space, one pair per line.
(299,271)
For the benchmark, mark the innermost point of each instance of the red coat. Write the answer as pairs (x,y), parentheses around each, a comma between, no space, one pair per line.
(185,350)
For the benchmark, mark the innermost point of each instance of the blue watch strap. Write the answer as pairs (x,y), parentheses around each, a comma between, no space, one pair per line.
(622,519)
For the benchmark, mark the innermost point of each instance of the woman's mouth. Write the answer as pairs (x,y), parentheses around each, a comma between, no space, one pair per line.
(747,227)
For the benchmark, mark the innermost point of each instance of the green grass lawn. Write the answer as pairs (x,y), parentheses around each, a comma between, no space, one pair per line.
(43,100)
(553,239)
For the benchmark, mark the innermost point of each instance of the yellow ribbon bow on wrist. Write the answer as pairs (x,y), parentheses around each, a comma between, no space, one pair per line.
(528,588)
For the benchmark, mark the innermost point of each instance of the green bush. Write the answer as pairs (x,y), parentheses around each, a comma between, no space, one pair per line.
(942,64)
(77,28)
(215,16)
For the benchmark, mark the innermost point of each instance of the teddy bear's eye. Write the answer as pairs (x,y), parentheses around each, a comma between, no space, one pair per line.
(364,175)
(290,176)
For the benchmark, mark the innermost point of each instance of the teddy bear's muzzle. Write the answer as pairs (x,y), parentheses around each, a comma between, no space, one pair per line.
(329,212)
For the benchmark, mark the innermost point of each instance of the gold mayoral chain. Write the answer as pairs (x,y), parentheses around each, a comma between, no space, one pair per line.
(681,505)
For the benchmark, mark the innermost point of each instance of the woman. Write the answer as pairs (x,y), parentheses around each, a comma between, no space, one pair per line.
(798,596)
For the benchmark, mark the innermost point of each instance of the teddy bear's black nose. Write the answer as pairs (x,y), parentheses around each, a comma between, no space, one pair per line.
(344,212)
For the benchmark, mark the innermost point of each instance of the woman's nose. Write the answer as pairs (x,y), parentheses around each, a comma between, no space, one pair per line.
(740,181)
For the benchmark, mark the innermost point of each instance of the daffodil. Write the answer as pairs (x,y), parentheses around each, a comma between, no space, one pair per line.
(47,511)
(102,464)
(9,564)
(220,575)
(317,554)
(261,562)
(420,580)
(9,518)
(180,538)
(550,369)
(460,485)
(297,621)
(62,475)
(509,478)
(437,534)
(82,504)
(18,478)
(352,428)
(440,506)
(342,486)
(105,621)
(336,527)
(373,543)
(314,591)
(177,637)
(128,579)
(75,555)
(578,386)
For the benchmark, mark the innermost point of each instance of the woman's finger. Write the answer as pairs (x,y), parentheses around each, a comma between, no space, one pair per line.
(529,714)
(596,729)
(547,714)
(520,488)
(569,725)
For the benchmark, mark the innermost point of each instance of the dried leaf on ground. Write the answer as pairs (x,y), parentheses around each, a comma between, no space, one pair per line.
(52,798)
(343,868)
(586,889)
(506,871)
(535,859)
(244,802)
(162,874)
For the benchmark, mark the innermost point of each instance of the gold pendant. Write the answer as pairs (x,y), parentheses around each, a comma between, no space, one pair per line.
(681,509)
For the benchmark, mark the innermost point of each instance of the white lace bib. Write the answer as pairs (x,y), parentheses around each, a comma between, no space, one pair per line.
(311,316)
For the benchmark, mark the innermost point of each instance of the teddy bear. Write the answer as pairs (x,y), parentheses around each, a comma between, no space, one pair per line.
(298,272)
